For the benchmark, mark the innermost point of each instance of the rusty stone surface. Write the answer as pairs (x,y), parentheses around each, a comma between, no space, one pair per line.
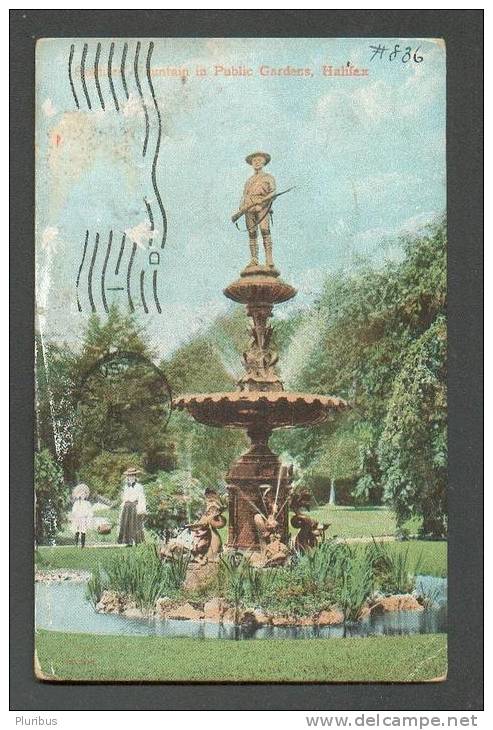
(404,602)
(215,609)
(200,575)
(271,409)
(258,287)
(185,612)
(330,618)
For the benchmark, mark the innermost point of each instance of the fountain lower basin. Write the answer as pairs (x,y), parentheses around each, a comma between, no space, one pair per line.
(268,409)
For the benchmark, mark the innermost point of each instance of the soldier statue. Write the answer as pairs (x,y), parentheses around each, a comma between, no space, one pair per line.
(255,205)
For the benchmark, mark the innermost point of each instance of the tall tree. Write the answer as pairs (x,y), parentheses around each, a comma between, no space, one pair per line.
(413,444)
(51,496)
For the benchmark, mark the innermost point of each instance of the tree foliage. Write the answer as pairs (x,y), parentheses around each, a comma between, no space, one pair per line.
(413,445)
(173,499)
(104,472)
(370,326)
(376,337)
(51,495)
(97,412)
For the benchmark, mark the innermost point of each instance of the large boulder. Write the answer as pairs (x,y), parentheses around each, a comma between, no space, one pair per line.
(133,612)
(404,602)
(215,609)
(199,576)
(163,605)
(261,618)
(329,618)
(283,621)
(229,616)
(111,602)
(185,612)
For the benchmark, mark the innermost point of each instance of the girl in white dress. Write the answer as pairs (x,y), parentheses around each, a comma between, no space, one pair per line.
(81,515)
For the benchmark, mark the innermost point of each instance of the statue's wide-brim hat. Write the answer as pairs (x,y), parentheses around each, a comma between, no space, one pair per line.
(265,155)
(132,471)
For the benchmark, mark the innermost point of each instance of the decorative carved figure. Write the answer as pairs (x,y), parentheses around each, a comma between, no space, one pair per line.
(272,550)
(207,543)
(310,531)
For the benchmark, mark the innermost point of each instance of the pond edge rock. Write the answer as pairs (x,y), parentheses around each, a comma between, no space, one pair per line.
(218,610)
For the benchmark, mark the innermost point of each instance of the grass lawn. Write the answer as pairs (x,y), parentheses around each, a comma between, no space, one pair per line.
(87,657)
(360,521)
(65,557)
(346,522)
(433,556)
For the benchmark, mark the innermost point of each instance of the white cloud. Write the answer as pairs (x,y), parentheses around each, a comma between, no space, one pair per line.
(341,111)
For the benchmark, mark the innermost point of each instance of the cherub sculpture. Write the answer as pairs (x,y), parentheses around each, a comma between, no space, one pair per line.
(272,550)
(207,543)
(310,531)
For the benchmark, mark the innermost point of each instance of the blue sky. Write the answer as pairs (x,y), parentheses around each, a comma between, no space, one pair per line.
(366,154)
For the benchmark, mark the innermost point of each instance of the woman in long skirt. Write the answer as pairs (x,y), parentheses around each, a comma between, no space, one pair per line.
(131,532)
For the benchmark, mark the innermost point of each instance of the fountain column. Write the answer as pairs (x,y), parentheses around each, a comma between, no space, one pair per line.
(259,405)
(259,289)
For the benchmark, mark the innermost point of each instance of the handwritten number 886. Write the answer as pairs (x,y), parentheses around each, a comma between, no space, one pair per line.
(406,56)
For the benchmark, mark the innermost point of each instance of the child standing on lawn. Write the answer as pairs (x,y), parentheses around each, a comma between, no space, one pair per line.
(81,515)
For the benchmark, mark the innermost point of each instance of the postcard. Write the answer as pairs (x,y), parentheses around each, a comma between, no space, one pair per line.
(241,356)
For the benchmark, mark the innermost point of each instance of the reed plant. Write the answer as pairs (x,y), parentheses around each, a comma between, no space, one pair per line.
(394,570)
(233,576)
(333,573)
(96,584)
(429,597)
(139,574)
(357,585)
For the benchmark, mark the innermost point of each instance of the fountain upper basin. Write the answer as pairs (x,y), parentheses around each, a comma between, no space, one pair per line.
(259,285)
(265,410)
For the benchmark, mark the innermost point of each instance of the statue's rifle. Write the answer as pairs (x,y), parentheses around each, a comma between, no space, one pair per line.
(266,201)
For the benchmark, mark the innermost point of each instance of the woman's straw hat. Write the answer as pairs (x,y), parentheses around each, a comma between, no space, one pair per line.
(132,471)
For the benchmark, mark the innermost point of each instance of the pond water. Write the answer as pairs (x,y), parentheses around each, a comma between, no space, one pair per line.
(63,607)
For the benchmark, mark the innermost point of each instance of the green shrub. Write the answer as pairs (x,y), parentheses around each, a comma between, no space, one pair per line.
(104,473)
(173,499)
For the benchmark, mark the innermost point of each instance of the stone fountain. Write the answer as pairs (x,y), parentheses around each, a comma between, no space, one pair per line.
(260,404)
